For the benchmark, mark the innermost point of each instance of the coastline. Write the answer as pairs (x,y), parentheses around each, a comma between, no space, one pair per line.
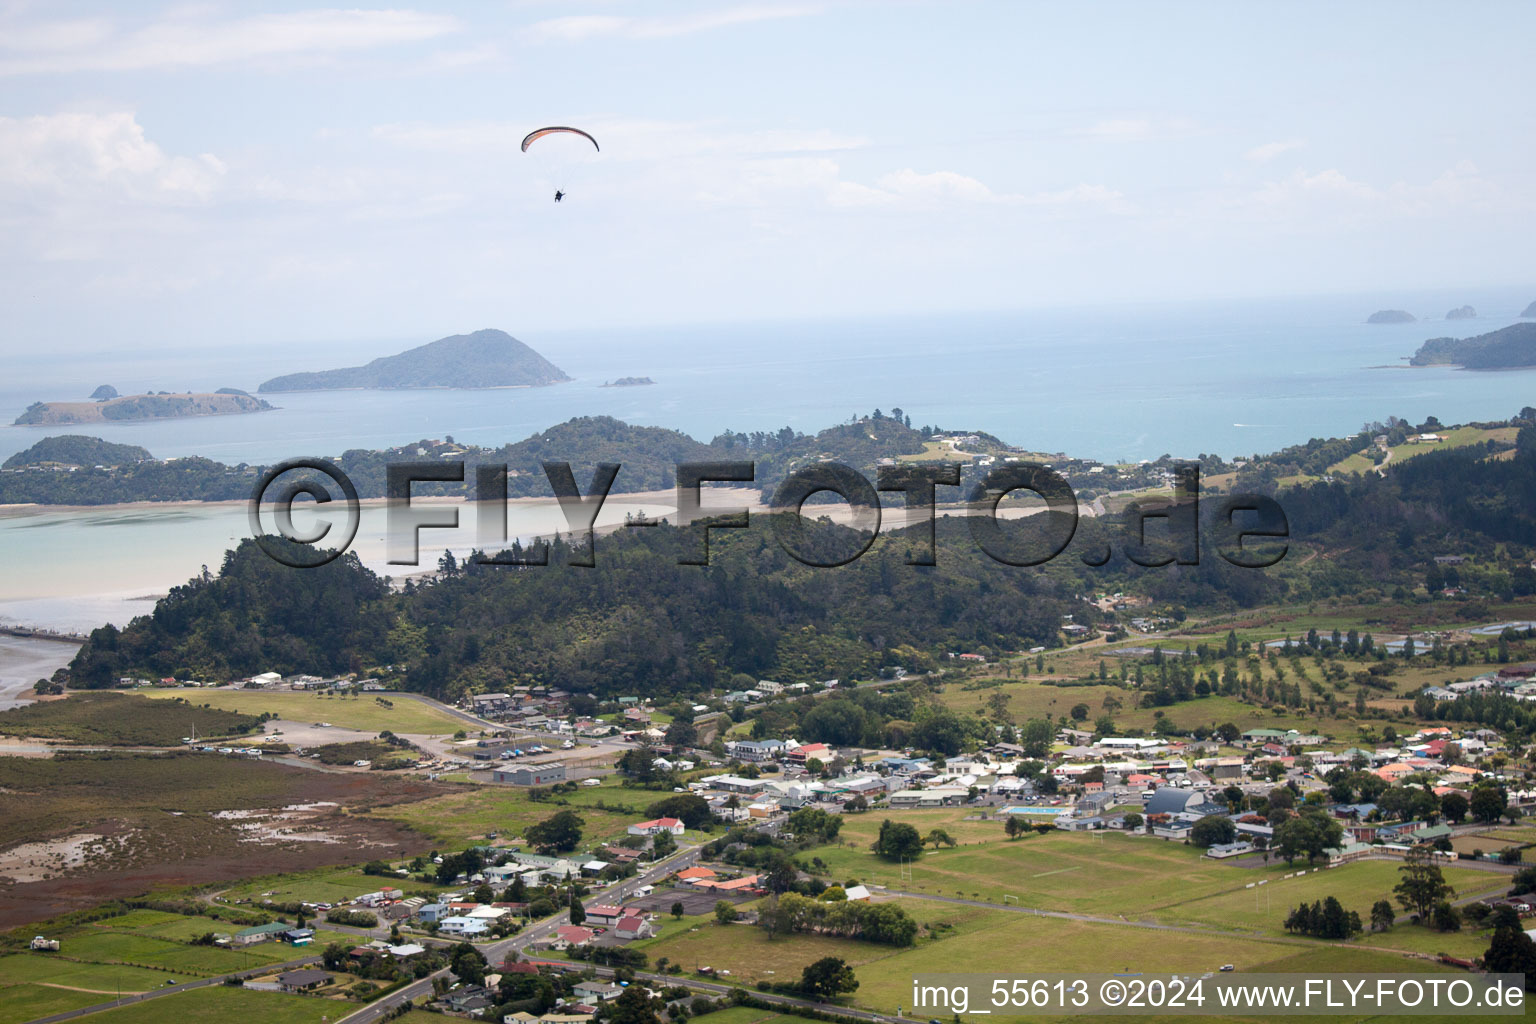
(142,506)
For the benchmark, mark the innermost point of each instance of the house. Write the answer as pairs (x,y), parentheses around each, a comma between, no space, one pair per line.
(596,991)
(43,944)
(857,894)
(260,933)
(530,774)
(755,750)
(803,753)
(299,936)
(694,874)
(302,981)
(769,686)
(633,926)
(743,884)
(572,935)
(737,784)
(406,951)
(464,926)
(605,914)
(468,1001)
(656,827)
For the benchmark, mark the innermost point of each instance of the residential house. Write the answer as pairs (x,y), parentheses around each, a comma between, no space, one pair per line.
(633,926)
(755,750)
(260,933)
(656,827)
(572,935)
(605,914)
(464,926)
(303,981)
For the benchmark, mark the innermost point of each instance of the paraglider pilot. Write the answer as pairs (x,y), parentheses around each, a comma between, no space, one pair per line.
(559,195)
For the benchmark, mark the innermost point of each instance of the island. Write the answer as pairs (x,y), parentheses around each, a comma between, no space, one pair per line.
(1509,348)
(628,382)
(484,359)
(1390,316)
(103,393)
(1462,313)
(78,451)
(162,406)
(1530,312)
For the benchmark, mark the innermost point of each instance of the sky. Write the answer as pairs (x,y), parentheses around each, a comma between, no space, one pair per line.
(231,173)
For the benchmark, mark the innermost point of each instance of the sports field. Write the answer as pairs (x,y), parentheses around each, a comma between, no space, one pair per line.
(363,711)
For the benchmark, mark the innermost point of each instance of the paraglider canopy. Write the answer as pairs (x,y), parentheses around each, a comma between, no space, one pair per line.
(534,136)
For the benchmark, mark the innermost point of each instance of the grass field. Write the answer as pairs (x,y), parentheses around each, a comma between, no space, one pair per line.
(362,711)
(121,719)
(1005,941)
(1458,437)
(220,1004)
(1101,874)
(863,828)
(1262,909)
(741,1015)
(458,818)
(322,885)
(137,952)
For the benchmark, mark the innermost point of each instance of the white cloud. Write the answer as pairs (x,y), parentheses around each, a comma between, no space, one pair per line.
(195,41)
(1140,129)
(1312,197)
(939,185)
(1269,150)
(573,28)
(79,156)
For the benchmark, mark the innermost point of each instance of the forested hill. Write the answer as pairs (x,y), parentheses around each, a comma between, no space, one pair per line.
(1508,348)
(78,450)
(636,623)
(648,456)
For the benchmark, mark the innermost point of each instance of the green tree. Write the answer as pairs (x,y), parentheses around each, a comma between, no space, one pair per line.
(1455,807)
(635,1005)
(1488,803)
(1511,950)
(827,977)
(559,833)
(1421,884)
(898,841)
(725,913)
(1309,834)
(1035,737)
(1382,916)
(1213,829)
(578,912)
(677,910)
(1445,918)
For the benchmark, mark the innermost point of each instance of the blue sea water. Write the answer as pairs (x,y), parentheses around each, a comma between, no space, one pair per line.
(1114,383)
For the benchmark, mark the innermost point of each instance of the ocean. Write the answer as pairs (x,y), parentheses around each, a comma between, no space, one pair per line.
(1115,383)
(1121,383)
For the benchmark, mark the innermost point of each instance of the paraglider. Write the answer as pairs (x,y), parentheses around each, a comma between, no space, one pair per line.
(534,136)
(560,158)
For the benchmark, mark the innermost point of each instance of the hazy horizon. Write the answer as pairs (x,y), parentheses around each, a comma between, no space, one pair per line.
(223,175)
